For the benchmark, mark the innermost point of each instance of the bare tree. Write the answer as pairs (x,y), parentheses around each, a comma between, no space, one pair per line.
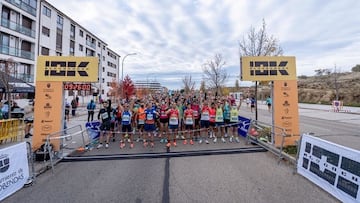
(189,84)
(214,73)
(7,68)
(202,86)
(259,43)
(237,86)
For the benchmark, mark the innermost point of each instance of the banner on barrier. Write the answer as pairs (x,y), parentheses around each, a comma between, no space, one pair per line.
(332,167)
(244,124)
(14,169)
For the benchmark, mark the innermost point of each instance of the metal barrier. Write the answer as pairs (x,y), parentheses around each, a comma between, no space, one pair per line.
(263,129)
(9,129)
(70,140)
(32,173)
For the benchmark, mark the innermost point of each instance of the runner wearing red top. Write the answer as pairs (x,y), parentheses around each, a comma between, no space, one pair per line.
(164,120)
(173,123)
(189,124)
(205,121)
(212,113)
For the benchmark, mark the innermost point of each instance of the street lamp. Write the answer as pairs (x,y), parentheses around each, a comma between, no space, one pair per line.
(122,65)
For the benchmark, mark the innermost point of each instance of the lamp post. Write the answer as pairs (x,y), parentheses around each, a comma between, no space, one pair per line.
(122,65)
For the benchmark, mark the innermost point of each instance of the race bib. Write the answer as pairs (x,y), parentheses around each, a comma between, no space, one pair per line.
(173,121)
(219,119)
(149,116)
(105,115)
(141,122)
(205,116)
(234,119)
(189,121)
(126,118)
(196,113)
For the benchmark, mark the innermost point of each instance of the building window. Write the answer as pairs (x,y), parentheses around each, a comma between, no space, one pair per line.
(46,11)
(58,53)
(81,47)
(58,39)
(99,45)
(45,51)
(72,48)
(103,69)
(81,33)
(72,31)
(60,22)
(45,31)
(103,58)
(103,80)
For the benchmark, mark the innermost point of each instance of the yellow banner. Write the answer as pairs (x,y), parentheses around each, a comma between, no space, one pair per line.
(268,68)
(286,112)
(67,69)
(48,112)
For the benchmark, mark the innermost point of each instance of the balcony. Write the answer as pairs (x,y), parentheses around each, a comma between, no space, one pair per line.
(90,44)
(12,51)
(24,77)
(17,27)
(23,6)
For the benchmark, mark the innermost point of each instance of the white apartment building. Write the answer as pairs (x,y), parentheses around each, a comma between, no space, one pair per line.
(34,27)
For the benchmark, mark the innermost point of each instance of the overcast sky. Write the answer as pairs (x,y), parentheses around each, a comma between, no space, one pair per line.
(173,38)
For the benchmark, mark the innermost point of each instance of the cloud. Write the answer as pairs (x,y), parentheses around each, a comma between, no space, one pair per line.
(173,39)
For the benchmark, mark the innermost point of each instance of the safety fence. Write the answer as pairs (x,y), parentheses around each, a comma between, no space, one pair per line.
(9,130)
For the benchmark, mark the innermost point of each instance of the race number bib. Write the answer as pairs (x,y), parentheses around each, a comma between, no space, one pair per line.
(234,118)
(105,115)
(126,118)
(149,117)
(219,119)
(141,122)
(174,121)
(189,121)
(205,116)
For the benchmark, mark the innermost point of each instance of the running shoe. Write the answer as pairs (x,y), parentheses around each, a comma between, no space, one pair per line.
(200,141)
(177,136)
(215,140)
(237,139)
(182,137)
(122,145)
(174,143)
(185,142)
(231,139)
(106,145)
(128,140)
(168,144)
(191,142)
(223,140)
(206,141)
(138,140)
(99,146)
(131,145)
(152,145)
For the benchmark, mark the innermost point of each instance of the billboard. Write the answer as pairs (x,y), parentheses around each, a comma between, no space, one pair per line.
(268,68)
(67,69)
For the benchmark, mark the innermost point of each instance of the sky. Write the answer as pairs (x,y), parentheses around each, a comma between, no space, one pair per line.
(174,38)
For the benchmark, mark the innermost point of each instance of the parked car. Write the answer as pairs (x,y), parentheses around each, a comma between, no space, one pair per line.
(18,113)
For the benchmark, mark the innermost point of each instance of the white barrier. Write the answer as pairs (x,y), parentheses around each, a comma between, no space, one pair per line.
(14,169)
(332,167)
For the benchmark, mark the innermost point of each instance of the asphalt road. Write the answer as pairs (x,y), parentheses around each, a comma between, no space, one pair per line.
(243,177)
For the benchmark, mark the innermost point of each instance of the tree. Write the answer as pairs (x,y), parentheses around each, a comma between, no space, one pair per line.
(7,68)
(356,68)
(189,84)
(259,43)
(128,87)
(215,73)
(202,86)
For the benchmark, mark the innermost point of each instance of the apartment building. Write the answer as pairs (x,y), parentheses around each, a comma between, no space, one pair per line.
(35,27)
(148,85)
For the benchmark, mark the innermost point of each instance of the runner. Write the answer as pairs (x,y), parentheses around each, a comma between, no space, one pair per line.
(173,124)
(212,113)
(189,124)
(140,117)
(219,122)
(196,110)
(226,117)
(117,127)
(164,120)
(234,121)
(204,121)
(180,106)
(126,130)
(105,115)
(149,126)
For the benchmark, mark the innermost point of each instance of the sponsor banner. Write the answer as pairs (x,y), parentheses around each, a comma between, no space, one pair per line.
(244,124)
(285,111)
(14,169)
(67,69)
(268,68)
(334,168)
(48,112)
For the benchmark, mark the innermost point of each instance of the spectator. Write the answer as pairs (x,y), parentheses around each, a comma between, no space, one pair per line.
(268,102)
(67,111)
(91,107)
(252,103)
(73,107)
(5,110)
